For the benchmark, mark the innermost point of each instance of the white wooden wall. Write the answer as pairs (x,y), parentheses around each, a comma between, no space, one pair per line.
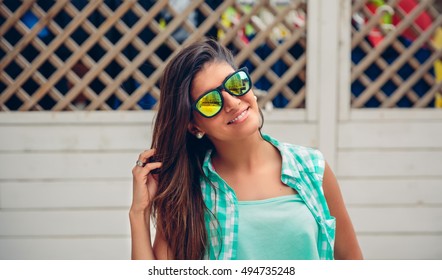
(390,169)
(65,178)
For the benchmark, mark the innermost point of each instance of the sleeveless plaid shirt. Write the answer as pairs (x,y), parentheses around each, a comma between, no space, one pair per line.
(302,170)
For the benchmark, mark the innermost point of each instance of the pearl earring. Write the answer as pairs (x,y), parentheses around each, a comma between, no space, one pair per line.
(199,135)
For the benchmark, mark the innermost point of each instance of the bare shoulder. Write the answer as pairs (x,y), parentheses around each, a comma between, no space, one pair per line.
(330,184)
(346,243)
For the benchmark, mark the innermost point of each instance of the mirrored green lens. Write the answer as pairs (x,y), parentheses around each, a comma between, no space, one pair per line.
(238,84)
(210,104)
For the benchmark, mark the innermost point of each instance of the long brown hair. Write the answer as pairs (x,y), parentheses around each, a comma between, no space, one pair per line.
(178,206)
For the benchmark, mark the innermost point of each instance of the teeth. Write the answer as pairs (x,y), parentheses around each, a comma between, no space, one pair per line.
(239,117)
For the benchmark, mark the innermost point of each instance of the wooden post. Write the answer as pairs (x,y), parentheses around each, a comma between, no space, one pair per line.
(328,76)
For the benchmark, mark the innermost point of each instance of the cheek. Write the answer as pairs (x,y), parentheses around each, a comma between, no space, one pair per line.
(203,123)
(197,120)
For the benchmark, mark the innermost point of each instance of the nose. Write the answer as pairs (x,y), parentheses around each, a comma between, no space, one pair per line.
(231,102)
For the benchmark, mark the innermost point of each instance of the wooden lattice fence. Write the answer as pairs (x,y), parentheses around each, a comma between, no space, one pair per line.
(109,55)
(396,50)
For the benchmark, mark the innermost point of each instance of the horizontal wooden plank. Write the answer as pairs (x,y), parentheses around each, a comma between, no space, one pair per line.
(115,222)
(21,166)
(117,193)
(57,137)
(393,191)
(389,163)
(65,248)
(398,220)
(81,117)
(390,134)
(65,223)
(103,117)
(395,114)
(63,194)
(294,133)
(374,247)
(401,247)
(118,136)
(284,115)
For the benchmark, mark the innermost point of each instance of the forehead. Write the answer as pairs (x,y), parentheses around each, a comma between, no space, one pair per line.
(210,77)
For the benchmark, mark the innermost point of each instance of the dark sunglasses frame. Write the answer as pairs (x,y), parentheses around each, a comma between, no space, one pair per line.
(220,88)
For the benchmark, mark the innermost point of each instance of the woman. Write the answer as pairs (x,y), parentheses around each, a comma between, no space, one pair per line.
(223,190)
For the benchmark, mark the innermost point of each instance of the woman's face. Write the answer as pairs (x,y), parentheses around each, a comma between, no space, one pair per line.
(239,116)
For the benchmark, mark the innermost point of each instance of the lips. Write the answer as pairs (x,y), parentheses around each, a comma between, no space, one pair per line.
(239,117)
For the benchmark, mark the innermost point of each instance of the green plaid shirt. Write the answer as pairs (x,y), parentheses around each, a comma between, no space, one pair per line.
(302,169)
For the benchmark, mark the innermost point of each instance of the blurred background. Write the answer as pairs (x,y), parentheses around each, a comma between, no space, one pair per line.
(79,84)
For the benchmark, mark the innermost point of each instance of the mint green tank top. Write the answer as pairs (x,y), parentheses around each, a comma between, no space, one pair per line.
(280,228)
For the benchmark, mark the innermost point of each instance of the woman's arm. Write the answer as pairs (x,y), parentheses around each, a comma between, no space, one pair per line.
(142,248)
(346,244)
(144,190)
(140,235)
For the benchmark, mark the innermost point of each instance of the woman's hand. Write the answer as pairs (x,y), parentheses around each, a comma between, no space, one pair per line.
(145,184)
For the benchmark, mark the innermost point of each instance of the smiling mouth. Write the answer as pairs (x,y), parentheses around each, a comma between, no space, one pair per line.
(239,117)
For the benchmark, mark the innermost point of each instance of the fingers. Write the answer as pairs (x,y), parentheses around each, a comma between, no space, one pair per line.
(152,167)
(143,164)
(144,156)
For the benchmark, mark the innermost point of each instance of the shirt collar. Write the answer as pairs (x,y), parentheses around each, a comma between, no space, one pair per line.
(207,164)
(289,164)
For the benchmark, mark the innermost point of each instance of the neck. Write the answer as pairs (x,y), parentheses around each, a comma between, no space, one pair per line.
(242,155)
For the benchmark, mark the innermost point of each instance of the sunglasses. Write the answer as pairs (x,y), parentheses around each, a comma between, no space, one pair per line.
(211,102)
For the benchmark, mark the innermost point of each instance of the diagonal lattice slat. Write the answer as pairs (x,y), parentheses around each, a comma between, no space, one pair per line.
(154,44)
(24,86)
(398,70)
(100,55)
(277,82)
